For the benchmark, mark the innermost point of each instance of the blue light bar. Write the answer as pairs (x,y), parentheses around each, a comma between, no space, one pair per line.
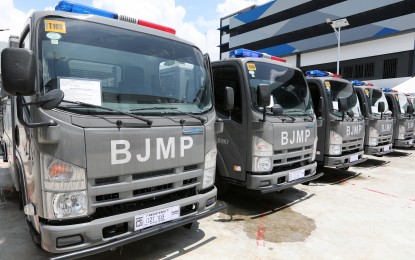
(244,53)
(357,83)
(71,7)
(387,89)
(316,73)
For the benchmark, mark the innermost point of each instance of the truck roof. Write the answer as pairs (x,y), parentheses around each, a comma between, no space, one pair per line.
(322,79)
(111,22)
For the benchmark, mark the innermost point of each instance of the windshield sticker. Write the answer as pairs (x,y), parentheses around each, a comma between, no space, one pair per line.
(397,97)
(367,92)
(328,86)
(81,90)
(54,41)
(251,66)
(252,73)
(53,36)
(55,26)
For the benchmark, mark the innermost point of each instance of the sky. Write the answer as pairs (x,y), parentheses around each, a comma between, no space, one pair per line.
(194,20)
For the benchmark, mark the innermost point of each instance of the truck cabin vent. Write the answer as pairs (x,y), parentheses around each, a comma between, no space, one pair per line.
(152,189)
(106,181)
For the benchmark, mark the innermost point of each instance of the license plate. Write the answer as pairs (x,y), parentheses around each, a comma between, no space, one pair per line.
(354,158)
(156,217)
(296,175)
(386,148)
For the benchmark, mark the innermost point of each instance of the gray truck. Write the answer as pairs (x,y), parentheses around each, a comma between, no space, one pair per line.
(270,136)
(402,112)
(104,146)
(342,132)
(378,118)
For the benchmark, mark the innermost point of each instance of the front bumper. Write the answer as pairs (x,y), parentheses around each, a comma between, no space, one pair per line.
(92,232)
(279,180)
(408,143)
(344,161)
(378,150)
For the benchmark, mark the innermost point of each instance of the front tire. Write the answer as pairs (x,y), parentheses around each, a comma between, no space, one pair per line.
(221,184)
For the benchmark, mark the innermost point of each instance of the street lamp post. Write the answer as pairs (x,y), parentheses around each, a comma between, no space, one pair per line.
(337,25)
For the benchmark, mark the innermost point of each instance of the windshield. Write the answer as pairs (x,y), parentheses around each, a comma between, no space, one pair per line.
(376,97)
(122,69)
(288,87)
(403,102)
(336,90)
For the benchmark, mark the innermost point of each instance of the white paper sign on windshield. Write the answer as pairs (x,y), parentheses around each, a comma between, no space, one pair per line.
(402,110)
(81,90)
(335,105)
(374,109)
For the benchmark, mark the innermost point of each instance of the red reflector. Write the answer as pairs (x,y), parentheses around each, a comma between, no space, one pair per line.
(369,84)
(337,75)
(156,26)
(278,59)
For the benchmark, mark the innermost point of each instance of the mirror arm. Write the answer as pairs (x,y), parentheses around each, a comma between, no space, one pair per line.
(264,114)
(19,108)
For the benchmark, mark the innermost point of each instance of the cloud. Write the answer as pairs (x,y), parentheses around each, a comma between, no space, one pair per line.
(12,19)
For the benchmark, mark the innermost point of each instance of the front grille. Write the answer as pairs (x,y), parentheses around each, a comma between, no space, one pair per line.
(154,189)
(291,156)
(119,194)
(146,175)
(102,212)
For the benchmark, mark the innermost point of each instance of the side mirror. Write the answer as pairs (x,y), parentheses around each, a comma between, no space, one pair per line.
(277,110)
(342,103)
(50,100)
(18,69)
(229,99)
(381,107)
(263,95)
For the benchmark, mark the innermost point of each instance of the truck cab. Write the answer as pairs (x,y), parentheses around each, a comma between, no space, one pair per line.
(378,118)
(402,112)
(342,131)
(270,136)
(104,147)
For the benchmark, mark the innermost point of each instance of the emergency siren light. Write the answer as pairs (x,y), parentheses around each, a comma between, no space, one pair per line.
(244,53)
(361,83)
(319,73)
(71,7)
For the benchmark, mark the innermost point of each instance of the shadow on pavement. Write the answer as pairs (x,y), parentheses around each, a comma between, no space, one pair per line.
(333,176)
(371,163)
(399,153)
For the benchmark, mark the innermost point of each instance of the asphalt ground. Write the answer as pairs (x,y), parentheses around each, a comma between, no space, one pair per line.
(367,212)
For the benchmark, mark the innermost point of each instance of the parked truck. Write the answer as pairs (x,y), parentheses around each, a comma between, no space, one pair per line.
(102,149)
(270,136)
(378,118)
(403,124)
(342,132)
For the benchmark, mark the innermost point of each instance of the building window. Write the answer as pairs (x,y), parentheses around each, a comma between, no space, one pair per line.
(390,68)
(369,70)
(358,71)
(347,72)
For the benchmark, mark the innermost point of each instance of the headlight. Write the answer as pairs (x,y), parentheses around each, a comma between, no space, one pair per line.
(335,149)
(66,205)
(336,141)
(210,167)
(262,164)
(401,132)
(262,147)
(61,176)
(373,136)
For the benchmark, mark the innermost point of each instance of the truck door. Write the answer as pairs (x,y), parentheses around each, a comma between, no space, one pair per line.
(316,91)
(233,141)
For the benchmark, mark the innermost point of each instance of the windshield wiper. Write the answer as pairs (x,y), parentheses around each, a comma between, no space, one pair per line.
(202,120)
(293,118)
(148,121)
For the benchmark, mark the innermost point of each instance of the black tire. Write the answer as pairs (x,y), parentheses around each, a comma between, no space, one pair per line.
(221,184)
(344,168)
(306,183)
(34,235)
